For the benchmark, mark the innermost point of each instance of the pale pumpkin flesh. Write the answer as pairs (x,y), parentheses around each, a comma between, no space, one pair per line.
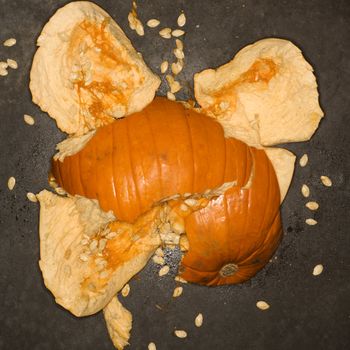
(86,72)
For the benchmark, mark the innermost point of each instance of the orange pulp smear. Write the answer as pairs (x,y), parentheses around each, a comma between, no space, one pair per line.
(261,71)
(98,97)
(116,253)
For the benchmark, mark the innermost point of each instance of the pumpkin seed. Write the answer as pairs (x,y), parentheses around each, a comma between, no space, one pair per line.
(93,245)
(179,44)
(177,33)
(102,244)
(84,241)
(10,42)
(3,72)
(176,68)
(158,260)
(111,235)
(191,202)
(32,197)
(180,279)
(303,160)
(152,346)
(305,190)
(131,19)
(326,181)
(180,333)
(224,105)
(311,222)
(164,270)
(29,119)
(198,321)
(181,20)
(177,292)
(164,67)
(12,63)
(126,290)
(312,205)
(175,87)
(83,257)
(183,207)
(262,305)
(170,96)
(179,53)
(317,270)
(169,78)
(152,23)
(11,182)
(165,33)
(60,191)
(139,28)
(159,252)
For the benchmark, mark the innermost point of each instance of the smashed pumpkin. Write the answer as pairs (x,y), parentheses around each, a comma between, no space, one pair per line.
(86,72)
(166,151)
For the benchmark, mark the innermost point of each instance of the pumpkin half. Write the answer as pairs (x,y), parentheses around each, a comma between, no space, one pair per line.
(235,235)
(165,150)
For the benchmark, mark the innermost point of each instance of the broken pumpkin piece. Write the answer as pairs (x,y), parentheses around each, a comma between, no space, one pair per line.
(266,95)
(85,72)
(119,323)
(236,234)
(72,145)
(82,273)
(139,155)
(283,162)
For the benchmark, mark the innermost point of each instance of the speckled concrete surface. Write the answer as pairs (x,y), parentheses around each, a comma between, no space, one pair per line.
(306,312)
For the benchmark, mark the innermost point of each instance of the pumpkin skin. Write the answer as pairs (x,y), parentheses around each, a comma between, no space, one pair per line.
(164,150)
(238,231)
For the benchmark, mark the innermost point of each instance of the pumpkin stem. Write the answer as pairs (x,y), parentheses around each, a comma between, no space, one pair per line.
(228,270)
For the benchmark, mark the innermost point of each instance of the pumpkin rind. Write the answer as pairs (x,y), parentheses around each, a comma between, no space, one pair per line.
(164,150)
(240,227)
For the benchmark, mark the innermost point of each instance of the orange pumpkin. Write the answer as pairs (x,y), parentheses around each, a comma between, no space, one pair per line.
(237,233)
(134,162)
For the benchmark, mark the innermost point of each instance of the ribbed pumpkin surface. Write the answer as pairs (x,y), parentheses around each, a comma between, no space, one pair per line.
(241,227)
(161,151)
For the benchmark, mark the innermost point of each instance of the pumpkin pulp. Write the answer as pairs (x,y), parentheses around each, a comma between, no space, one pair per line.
(112,83)
(260,72)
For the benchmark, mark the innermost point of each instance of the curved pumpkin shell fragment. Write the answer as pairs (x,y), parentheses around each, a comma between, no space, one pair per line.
(236,234)
(266,95)
(119,322)
(72,272)
(283,162)
(86,72)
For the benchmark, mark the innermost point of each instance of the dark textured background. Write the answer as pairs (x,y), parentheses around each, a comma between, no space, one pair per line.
(306,312)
